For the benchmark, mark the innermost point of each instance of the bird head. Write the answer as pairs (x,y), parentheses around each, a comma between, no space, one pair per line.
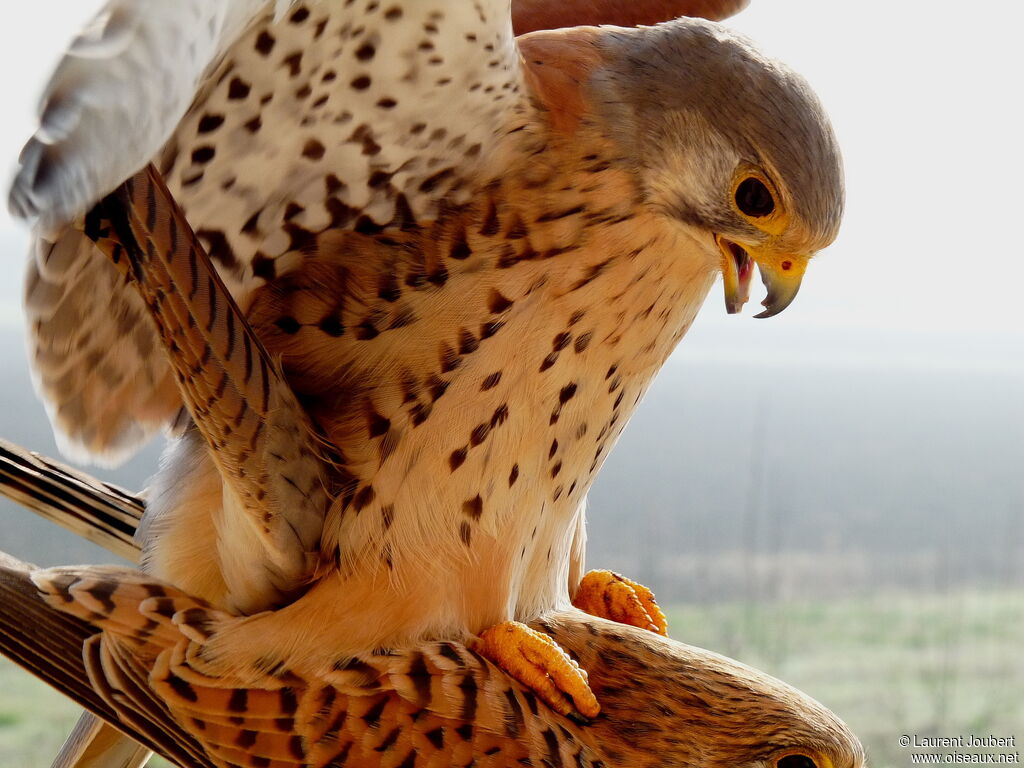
(668,704)
(723,140)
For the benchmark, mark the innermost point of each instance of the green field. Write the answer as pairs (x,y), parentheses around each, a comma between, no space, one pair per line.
(933,665)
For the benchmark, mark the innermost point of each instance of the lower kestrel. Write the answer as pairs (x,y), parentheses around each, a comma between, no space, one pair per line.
(458,259)
(435,703)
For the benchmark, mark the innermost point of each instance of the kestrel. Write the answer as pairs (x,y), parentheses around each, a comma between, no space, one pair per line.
(432,704)
(459,259)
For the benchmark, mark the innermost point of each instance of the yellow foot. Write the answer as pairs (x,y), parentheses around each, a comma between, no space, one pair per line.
(611,596)
(538,662)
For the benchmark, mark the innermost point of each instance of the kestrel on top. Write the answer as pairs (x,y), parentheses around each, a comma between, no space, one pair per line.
(458,257)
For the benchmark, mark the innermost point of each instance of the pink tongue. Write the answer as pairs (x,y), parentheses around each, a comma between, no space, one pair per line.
(745,272)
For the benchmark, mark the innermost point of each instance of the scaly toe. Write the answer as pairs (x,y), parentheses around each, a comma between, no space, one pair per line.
(538,662)
(611,596)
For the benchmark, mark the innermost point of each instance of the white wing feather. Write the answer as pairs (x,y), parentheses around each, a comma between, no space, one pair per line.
(116,97)
(272,122)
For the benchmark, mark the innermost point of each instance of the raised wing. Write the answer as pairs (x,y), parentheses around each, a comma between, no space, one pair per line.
(435,704)
(274,464)
(360,117)
(116,96)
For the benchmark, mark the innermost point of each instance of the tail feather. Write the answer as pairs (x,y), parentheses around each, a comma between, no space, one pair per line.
(97,511)
(59,649)
(122,601)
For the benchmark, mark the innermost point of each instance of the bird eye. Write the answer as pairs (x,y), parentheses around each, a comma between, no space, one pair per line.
(754,199)
(796,761)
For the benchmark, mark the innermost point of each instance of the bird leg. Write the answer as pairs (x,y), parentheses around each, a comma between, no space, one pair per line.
(537,661)
(611,596)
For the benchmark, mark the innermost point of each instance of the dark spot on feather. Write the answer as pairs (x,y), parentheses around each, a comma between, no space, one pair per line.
(313,150)
(363,498)
(366,330)
(479,434)
(245,739)
(431,182)
(457,458)
(500,415)
(468,343)
(460,247)
(332,326)
(473,508)
(439,278)
(288,324)
(388,287)
(490,328)
(294,64)
(265,43)
(238,89)
(437,387)
(263,266)
(377,425)
(449,359)
(209,123)
(497,303)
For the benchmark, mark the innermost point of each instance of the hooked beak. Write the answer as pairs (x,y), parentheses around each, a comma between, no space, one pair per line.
(780,273)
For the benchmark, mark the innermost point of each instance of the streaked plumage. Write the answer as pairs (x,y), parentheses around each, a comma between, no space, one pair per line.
(434,704)
(469,256)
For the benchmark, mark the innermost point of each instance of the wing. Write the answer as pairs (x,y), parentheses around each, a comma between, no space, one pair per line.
(94,354)
(437,704)
(116,96)
(533,15)
(359,117)
(274,464)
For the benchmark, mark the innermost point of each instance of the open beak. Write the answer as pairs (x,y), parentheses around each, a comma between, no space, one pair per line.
(780,273)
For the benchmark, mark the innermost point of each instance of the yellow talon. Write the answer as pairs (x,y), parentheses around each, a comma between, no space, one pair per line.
(611,596)
(539,663)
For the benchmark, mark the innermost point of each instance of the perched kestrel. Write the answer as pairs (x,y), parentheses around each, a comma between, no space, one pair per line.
(460,259)
(432,704)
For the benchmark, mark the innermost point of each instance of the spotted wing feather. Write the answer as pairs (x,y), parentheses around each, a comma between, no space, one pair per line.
(357,115)
(93,352)
(137,63)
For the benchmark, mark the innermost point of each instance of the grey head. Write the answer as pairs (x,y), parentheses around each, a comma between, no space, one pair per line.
(728,140)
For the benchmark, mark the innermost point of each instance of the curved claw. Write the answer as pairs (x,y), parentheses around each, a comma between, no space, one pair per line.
(612,596)
(538,662)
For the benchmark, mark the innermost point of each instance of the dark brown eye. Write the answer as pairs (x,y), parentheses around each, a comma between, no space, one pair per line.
(796,761)
(754,199)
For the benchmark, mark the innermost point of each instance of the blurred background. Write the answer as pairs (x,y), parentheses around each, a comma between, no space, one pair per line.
(835,495)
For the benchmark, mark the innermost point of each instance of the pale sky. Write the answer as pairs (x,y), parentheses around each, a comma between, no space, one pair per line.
(926,100)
